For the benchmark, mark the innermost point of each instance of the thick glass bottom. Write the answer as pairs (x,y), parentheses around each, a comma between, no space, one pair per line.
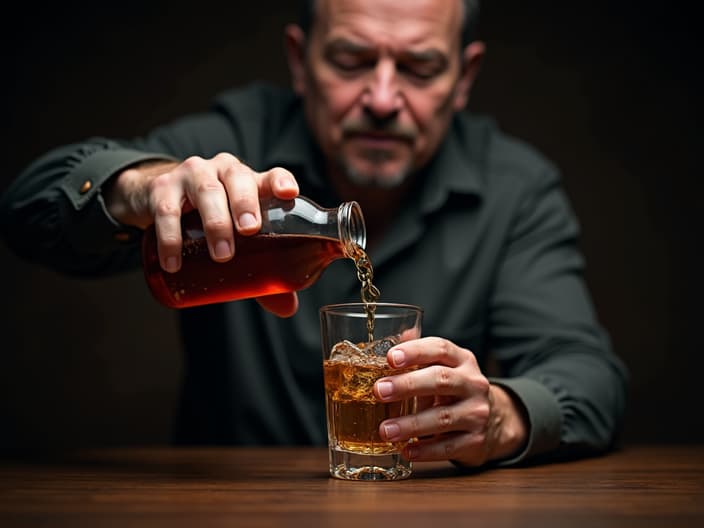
(348,465)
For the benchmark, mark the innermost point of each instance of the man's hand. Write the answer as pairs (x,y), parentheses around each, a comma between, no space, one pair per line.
(226,193)
(460,416)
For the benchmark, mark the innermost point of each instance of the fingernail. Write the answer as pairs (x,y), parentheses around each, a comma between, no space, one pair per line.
(171,264)
(247,220)
(391,431)
(399,357)
(222,249)
(384,388)
(286,182)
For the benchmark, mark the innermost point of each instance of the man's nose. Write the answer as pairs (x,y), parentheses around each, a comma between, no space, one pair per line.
(382,97)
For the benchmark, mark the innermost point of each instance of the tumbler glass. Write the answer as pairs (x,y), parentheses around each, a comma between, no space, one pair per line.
(351,365)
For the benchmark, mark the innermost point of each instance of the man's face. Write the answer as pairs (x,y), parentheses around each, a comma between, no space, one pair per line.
(380,84)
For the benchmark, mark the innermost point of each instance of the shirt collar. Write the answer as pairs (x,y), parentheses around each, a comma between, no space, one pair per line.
(456,169)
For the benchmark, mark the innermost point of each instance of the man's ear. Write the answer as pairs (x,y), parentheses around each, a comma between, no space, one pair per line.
(295,43)
(472,57)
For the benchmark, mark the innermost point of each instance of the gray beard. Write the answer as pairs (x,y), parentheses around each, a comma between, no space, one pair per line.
(374,179)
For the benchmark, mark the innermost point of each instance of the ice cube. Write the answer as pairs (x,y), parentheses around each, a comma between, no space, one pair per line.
(379,347)
(345,351)
(367,352)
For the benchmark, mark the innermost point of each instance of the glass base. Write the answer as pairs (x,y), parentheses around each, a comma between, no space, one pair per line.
(347,465)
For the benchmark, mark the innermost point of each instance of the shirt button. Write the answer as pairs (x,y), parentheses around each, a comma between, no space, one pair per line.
(86,186)
(122,236)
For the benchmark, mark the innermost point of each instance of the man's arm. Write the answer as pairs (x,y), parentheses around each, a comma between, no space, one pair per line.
(54,213)
(555,356)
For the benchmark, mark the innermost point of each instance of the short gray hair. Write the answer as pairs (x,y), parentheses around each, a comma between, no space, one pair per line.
(470,22)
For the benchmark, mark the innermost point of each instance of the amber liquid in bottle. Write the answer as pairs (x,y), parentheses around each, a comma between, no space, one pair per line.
(297,241)
(263,264)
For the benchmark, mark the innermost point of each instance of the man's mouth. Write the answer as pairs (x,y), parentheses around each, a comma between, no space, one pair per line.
(393,133)
(379,139)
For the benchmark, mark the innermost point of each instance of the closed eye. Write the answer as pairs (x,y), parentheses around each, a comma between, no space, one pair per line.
(349,57)
(422,65)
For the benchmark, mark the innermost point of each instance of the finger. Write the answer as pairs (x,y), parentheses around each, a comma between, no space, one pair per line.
(242,186)
(435,380)
(207,194)
(426,402)
(282,304)
(467,416)
(278,182)
(428,351)
(469,448)
(409,333)
(165,201)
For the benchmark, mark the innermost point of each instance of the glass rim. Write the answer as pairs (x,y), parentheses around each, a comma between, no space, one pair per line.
(352,307)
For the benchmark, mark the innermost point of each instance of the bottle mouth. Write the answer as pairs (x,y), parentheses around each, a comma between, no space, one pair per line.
(353,232)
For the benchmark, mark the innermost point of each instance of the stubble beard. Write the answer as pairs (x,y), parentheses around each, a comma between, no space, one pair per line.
(375,176)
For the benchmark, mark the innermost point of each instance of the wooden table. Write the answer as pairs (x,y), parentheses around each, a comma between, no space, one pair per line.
(231,487)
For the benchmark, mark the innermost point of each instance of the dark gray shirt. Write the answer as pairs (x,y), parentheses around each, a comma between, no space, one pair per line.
(486,244)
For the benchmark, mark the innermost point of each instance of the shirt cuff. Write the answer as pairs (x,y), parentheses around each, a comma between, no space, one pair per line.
(544,417)
(100,231)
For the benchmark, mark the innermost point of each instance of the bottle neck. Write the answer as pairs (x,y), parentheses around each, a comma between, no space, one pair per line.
(351,228)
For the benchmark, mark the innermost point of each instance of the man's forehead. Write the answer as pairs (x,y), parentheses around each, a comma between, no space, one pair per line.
(421,23)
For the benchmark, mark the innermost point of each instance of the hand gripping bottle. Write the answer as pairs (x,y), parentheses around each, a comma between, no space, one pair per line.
(297,241)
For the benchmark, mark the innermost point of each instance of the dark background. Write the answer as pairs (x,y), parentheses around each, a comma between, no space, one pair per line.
(608,90)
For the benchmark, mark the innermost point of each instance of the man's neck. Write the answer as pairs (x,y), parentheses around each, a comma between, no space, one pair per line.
(379,206)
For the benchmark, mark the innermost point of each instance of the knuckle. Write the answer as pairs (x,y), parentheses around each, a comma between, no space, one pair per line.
(407,383)
(240,182)
(482,411)
(472,358)
(243,201)
(208,185)
(226,157)
(160,181)
(445,418)
(228,172)
(164,208)
(444,349)
(193,163)
(215,224)
(481,385)
(443,378)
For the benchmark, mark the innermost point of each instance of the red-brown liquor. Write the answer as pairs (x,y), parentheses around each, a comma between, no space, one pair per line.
(263,264)
(298,239)
(354,413)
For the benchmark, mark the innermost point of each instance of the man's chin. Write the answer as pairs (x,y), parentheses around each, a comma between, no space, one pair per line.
(382,176)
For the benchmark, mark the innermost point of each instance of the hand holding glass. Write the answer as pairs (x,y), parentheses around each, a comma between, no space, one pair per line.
(351,365)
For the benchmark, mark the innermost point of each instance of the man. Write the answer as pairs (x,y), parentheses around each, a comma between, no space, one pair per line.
(462,220)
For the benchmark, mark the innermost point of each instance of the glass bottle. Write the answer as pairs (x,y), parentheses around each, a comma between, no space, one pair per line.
(297,241)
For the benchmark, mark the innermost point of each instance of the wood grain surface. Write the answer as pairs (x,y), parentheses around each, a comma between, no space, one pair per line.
(230,487)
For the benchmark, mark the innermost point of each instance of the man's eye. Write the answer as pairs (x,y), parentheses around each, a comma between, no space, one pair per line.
(348,63)
(423,72)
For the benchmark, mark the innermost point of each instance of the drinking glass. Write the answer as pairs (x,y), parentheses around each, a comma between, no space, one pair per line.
(351,364)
